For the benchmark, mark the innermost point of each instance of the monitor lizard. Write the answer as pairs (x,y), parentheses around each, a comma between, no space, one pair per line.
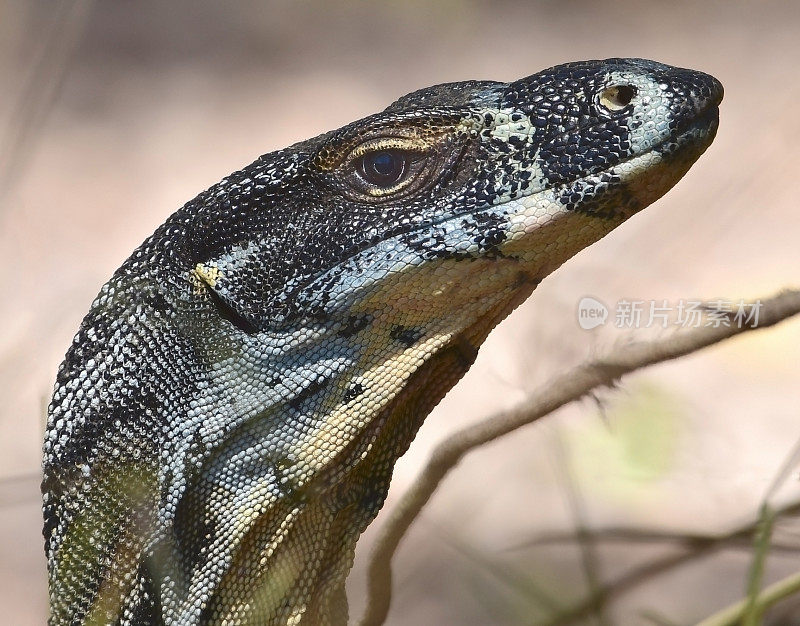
(225,423)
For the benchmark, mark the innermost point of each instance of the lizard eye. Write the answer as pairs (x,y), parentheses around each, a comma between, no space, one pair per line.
(617,97)
(383,168)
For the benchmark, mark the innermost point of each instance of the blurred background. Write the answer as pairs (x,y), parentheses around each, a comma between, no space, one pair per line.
(113,114)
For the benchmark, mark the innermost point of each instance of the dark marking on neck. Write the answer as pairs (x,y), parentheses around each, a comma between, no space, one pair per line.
(405,335)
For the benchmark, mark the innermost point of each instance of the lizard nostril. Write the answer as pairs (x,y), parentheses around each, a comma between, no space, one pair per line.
(617,97)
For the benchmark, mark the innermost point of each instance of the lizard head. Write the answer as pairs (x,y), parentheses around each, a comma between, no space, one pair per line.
(227,419)
(456,194)
(364,267)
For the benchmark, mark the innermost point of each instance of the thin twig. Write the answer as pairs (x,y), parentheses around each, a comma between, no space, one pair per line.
(732,615)
(625,583)
(583,532)
(763,541)
(656,618)
(692,551)
(561,390)
(628,536)
(763,538)
(741,536)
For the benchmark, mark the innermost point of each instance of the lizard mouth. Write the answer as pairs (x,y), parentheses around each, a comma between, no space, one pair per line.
(695,129)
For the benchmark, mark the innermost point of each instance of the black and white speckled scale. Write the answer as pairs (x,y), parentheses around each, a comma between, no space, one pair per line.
(226,421)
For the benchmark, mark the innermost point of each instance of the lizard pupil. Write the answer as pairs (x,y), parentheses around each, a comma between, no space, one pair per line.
(383,168)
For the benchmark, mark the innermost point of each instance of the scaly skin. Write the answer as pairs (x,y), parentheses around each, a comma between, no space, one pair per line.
(226,421)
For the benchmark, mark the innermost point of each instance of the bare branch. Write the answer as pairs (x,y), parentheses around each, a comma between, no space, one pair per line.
(559,391)
(739,537)
(583,533)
